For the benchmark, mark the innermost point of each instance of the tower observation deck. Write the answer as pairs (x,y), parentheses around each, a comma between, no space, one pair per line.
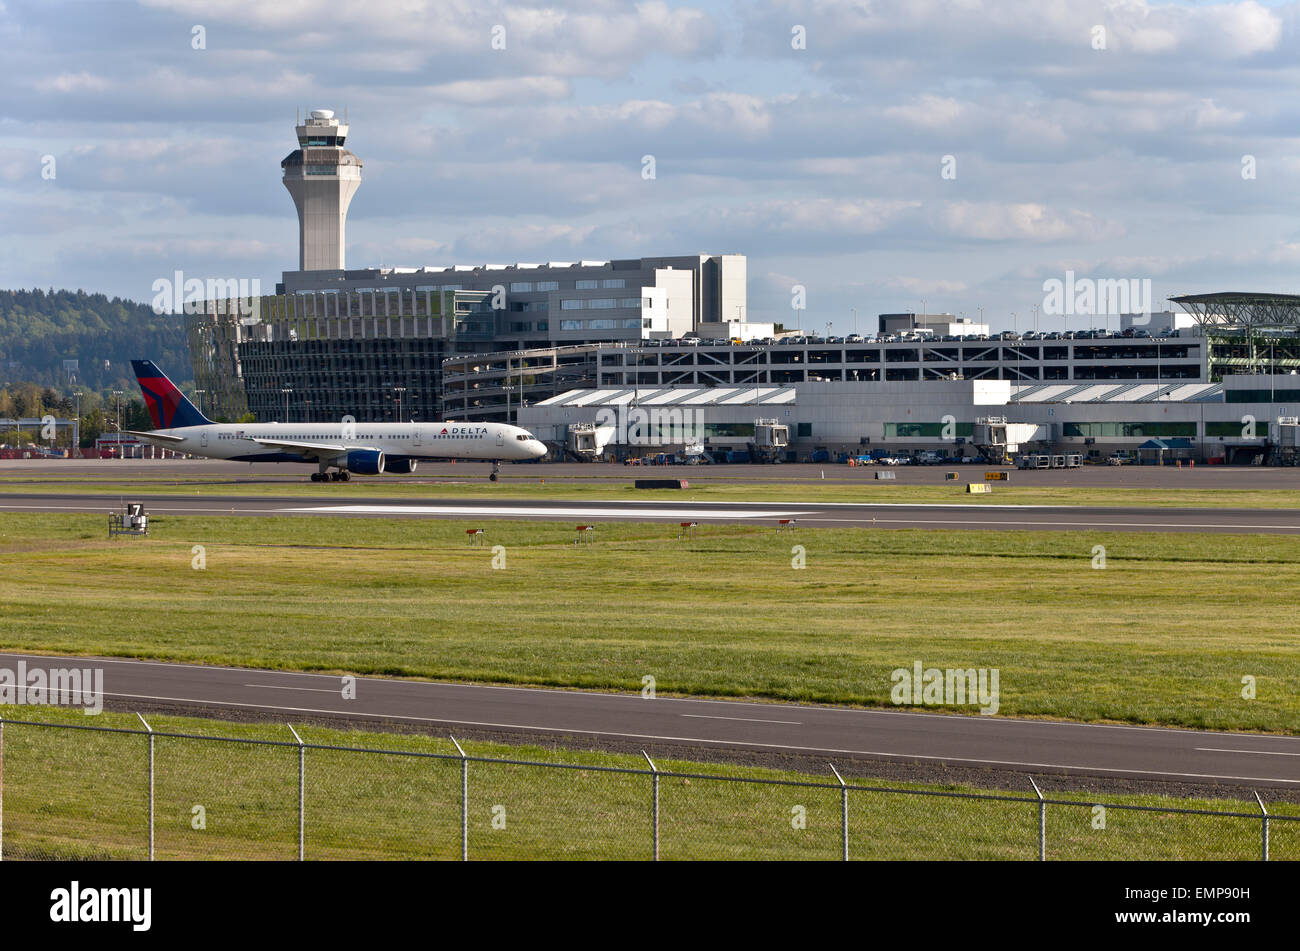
(322,177)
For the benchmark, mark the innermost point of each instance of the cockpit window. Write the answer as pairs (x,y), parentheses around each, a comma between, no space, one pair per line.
(523,437)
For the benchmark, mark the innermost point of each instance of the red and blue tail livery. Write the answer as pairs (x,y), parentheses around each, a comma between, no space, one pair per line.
(167,405)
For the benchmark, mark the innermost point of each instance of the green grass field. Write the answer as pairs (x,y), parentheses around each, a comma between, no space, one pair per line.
(84,795)
(533,486)
(1164,634)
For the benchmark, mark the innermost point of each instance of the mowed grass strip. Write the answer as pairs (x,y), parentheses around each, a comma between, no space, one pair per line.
(1164,634)
(1070,491)
(75,794)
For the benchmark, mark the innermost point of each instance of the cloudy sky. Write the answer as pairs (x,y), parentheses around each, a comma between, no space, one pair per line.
(813,137)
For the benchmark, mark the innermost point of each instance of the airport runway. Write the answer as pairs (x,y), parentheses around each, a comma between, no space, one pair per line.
(167,471)
(1040,746)
(811,514)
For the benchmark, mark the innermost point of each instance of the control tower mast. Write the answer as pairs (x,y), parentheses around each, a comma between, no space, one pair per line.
(322,177)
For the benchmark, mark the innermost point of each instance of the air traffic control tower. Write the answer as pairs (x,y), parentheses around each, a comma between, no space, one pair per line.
(322,177)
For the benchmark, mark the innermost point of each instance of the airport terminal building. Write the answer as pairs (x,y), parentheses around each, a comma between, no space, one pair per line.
(548,344)
(485,386)
(334,341)
(1242,419)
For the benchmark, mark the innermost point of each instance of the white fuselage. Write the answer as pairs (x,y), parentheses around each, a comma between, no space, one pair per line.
(412,440)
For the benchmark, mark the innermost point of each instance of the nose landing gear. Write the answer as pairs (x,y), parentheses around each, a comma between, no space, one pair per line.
(496,470)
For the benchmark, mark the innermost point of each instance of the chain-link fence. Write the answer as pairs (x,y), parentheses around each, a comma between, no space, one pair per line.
(73,791)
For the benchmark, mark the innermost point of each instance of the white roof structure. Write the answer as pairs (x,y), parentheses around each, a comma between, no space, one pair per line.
(1116,392)
(676,396)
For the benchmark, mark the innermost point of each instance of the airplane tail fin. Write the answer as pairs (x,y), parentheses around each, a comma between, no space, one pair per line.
(167,405)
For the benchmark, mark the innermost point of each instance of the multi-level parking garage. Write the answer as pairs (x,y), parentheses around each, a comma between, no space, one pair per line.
(482,386)
(818,360)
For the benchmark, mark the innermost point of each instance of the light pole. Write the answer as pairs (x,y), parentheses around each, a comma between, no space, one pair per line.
(505,385)
(76,426)
(121,451)
(199,394)
(399,390)
(855,321)
(286,391)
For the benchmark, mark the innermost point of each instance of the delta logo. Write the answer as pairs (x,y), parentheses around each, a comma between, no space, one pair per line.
(463,431)
(162,399)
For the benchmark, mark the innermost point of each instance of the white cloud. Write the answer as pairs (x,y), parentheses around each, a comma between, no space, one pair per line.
(926,285)
(928,111)
(584,38)
(1123,155)
(72,83)
(1024,221)
(484,91)
(1209,115)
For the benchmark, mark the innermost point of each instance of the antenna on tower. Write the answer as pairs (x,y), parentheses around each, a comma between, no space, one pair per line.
(345,115)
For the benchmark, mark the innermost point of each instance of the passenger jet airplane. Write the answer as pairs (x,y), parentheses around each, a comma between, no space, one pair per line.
(345,447)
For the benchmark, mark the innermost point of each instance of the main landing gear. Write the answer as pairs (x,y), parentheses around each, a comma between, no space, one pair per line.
(496,470)
(341,476)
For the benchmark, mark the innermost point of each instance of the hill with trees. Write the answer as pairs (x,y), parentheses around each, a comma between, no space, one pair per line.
(40,329)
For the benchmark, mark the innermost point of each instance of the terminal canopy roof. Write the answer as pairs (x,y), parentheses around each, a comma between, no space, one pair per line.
(675,396)
(1245,309)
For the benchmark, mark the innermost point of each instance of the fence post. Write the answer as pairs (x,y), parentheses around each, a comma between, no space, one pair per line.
(464,803)
(654,782)
(302,791)
(150,729)
(1042,823)
(844,810)
(1265,824)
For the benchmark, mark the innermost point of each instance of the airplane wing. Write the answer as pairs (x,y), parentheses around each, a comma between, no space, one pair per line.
(161,437)
(319,450)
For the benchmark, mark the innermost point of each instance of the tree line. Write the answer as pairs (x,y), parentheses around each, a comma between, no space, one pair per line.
(41,329)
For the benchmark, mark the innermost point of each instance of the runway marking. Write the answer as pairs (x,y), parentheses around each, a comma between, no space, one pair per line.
(1241,526)
(1214,749)
(187,510)
(705,716)
(811,518)
(507,510)
(279,687)
(696,739)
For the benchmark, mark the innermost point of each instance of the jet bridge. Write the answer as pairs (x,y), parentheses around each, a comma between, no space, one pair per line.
(996,438)
(586,442)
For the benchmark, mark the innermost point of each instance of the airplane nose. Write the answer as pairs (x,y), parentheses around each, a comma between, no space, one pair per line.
(537,448)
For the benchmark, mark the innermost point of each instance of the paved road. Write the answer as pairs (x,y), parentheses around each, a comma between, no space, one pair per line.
(825,514)
(143,471)
(966,741)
